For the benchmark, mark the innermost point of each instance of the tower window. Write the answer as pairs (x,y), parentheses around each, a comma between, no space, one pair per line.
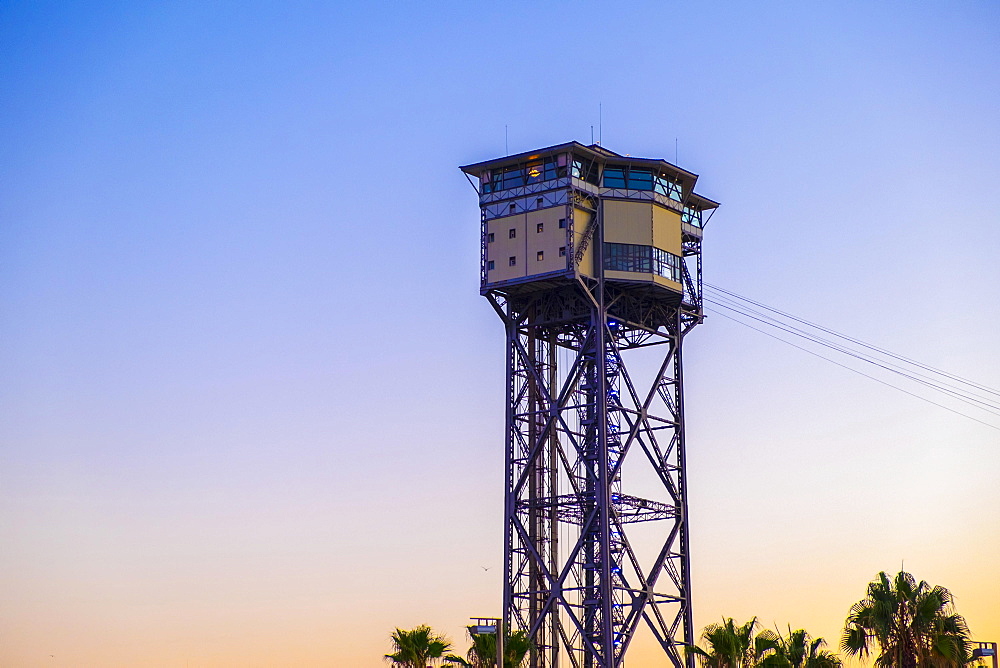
(489,238)
(562,223)
(512,261)
(512,234)
(538,203)
(540,256)
(614,177)
(644,259)
(490,265)
(513,208)
(562,251)
(540,227)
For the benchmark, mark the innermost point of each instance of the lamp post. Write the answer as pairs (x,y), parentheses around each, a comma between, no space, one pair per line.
(493,626)
(981,650)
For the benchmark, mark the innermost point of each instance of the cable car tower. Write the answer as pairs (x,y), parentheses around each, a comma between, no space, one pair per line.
(593,260)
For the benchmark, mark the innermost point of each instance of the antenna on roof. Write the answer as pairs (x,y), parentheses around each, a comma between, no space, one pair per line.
(591,135)
(506,149)
(600,123)
(675,151)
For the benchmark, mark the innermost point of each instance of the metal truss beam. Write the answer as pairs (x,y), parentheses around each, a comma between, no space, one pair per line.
(579,576)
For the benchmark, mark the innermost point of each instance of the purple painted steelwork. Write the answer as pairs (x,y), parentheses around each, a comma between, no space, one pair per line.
(580,572)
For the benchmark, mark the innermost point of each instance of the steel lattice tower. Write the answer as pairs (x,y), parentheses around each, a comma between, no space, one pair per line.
(593,262)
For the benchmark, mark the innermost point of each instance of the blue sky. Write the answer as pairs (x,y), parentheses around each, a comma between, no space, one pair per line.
(253,402)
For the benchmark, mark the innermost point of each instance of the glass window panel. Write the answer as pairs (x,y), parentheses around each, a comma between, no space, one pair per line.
(513,177)
(640,179)
(691,216)
(585,170)
(644,259)
(614,177)
(534,172)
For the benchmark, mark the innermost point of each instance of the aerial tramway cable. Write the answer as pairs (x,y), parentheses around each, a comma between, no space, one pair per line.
(956,392)
(736,304)
(869,346)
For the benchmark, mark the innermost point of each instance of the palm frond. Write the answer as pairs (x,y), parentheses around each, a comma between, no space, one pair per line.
(911,622)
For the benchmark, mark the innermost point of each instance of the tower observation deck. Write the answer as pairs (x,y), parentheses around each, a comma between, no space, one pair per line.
(592,260)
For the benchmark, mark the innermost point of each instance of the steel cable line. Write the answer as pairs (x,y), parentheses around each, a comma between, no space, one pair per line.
(987,407)
(852,369)
(869,346)
(804,333)
(958,392)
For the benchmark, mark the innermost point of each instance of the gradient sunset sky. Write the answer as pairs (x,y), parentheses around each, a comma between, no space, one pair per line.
(251,402)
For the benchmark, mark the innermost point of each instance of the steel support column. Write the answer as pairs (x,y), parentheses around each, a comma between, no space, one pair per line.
(578,578)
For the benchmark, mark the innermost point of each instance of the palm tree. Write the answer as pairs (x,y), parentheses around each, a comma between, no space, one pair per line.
(415,648)
(483,652)
(913,625)
(730,646)
(516,648)
(798,650)
(735,646)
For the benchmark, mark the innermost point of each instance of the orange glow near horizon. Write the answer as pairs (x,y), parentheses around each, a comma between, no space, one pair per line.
(252,400)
